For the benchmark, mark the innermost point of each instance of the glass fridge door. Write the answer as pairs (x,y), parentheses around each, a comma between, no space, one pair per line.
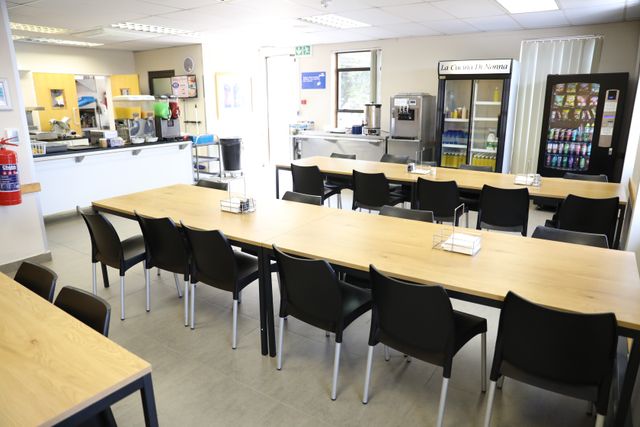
(455,130)
(485,117)
(572,116)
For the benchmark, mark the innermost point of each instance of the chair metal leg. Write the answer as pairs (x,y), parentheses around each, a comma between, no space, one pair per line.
(175,278)
(466,220)
(483,362)
(94,277)
(235,325)
(599,420)
(408,358)
(339,201)
(186,303)
(367,376)
(147,285)
(386,353)
(158,272)
(492,395)
(121,297)
(240,297)
(500,382)
(326,334)
(336,369)
(443,401)
(280,349)
(192,301)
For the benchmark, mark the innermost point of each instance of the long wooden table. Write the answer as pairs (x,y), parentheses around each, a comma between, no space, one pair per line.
(552,188)
(559,275)
(54,370)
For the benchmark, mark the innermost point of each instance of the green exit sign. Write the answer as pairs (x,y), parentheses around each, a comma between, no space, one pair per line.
(303,50)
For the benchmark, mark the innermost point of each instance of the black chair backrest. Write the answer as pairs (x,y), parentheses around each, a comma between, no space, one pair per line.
(598,216)
(307,180)
(555,345)
(343,156)
(370,189)
(212,259)
(105,243)
(407,316)
(584,177)
(504,207)
(440,197)
(413,214)
(309,290)
(165,244)
(90,309)
(309,199)
(216,185)
(476,168)
(38,279)
(390,158)
(577,237)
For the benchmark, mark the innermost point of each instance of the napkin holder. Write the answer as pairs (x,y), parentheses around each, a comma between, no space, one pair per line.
(448,239)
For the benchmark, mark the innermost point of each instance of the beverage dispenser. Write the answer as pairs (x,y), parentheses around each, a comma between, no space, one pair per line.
(412,125)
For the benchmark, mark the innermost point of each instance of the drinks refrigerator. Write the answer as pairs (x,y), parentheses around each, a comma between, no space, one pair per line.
(476,103)
(582,124)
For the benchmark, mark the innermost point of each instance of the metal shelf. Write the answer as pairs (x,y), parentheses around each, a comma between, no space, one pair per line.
(488,103)
(484,150)
(198,160)
(485,119)
(454,146)
(456,120)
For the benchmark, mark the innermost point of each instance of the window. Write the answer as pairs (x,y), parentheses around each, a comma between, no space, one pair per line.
(357,85)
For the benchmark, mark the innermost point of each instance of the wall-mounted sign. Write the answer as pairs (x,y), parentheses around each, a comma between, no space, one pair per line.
(314,80)
(304,50)
(476,66)
(184,86)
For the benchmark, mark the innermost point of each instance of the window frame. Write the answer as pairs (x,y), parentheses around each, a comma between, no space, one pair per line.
(339,70)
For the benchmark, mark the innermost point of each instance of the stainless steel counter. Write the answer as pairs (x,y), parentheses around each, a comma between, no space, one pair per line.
(313,143)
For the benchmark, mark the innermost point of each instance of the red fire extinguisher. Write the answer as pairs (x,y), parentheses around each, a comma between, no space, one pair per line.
(9,183)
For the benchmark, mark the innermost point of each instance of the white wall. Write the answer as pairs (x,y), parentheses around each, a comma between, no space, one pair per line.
(22,234)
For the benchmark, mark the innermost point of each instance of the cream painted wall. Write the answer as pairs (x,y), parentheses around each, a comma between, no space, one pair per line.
(172,59)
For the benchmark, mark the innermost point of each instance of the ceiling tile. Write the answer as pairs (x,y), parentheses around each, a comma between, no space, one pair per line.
(182,4)
(451,26)
(335,6)
(382,3)
(375,33)
(494,23)
(166,21)
(470,8)
(419,12)
(553,18)
(374,17)
(595,14)
(570,4)
(411,30)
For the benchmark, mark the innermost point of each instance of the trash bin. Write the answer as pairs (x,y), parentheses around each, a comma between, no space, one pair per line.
(231,153)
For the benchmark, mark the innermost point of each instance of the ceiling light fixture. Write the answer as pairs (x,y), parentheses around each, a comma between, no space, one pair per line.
(37,28)
(62,42)
(524,6)
(334,21)
(155,29)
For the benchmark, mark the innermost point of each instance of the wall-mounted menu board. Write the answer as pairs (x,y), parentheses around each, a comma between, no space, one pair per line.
(184,86)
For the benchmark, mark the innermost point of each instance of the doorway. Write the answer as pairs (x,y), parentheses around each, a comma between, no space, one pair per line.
(283,97)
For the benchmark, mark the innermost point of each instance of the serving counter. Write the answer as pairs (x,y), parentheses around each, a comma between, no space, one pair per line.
(313,143)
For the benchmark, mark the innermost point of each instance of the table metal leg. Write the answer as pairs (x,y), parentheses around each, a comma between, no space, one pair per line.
(263,312)
(105,275)
(148,402)
(616,239)
(268,299)
(624,402)
(277,182)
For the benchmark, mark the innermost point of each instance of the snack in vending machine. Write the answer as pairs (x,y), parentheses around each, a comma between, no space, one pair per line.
(589,150)
(570,162)
(586,164)
(548,161)
(572,87)
(564,162)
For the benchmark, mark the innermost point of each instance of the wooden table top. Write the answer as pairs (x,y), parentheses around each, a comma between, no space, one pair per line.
(52,365)
(560,275)
(555,188)
(199,207)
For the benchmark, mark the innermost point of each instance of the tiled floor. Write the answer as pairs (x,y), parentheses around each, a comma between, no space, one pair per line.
(200,381)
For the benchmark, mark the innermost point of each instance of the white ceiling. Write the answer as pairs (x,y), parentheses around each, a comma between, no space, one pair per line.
(274,23)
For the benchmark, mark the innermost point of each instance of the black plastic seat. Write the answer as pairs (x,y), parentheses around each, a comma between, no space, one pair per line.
(38,279)
(568,353)
(108,249)
(598,216)
(339,182)
(419,321)
(568,236)
(404,213)
(442,198)
(475,168)
(309,199)
(215,263)
(391,158)
(471,199)
(166,249)
(371,191)
(504,209)
(311,292)
(216,185)
(309,180)
(405,190)
(585,177)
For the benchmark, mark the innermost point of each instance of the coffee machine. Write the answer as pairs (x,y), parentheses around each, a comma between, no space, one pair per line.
(168,129)
(372,119)
(412,130)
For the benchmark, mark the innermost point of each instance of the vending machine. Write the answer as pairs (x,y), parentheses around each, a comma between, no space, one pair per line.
(476,103)
(582,124)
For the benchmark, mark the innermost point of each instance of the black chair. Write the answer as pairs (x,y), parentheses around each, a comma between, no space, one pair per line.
(504,209)
(471,199)
(391,158)
(339,182)
(371,191)
(464,166)
(442,198)
(166,249)
(568,353)
(597,216)
(413,214)
(568,236)
(584,177)
(216,185)
(215,263)
(405,190)
(419,321)
(38,279)
(108,249)
(309,180)
(311,292)
(309,199)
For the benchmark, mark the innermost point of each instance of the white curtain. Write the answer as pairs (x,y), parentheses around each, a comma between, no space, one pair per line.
(539,58)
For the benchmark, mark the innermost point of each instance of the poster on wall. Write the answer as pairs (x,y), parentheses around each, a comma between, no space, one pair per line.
(233,94)
(57,98)
(184,86)
(314,80)
(5,102)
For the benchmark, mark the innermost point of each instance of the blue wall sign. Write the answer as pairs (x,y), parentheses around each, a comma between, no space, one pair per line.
(314,80)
